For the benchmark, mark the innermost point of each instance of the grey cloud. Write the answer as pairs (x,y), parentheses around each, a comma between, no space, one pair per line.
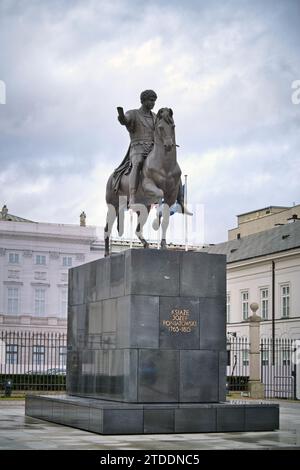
(225,68)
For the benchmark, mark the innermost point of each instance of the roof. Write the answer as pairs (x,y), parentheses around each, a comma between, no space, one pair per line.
(276,240)
(263,209)
(14,218)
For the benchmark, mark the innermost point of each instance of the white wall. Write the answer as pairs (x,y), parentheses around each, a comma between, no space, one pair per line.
(54,241)
(252,275)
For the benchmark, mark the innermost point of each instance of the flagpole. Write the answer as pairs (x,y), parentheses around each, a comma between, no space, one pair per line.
(185,215)
(131,225)
(158,230)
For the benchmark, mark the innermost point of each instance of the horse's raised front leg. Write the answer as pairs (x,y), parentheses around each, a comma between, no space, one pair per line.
(156,221)
(150,189)
(142,214)
(164,225)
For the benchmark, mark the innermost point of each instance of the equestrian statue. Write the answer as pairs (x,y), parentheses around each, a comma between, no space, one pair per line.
(149,173)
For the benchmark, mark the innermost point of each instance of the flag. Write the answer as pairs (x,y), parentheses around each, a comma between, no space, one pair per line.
(173,209)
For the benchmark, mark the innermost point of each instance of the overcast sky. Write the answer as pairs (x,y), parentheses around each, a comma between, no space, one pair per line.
(225,67)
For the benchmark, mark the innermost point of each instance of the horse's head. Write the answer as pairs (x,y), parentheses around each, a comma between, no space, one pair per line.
(165,127)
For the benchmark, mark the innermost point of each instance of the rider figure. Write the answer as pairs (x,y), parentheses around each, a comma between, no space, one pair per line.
(140,125)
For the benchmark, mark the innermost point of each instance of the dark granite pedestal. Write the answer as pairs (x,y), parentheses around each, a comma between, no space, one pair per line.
(147,349)
(107,417)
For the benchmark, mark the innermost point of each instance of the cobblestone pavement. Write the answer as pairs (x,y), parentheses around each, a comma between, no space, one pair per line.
(18,431)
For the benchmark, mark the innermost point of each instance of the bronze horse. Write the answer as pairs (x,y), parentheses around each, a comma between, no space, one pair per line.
(160,179)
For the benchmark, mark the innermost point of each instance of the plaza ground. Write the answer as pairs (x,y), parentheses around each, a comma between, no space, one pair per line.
(18,431)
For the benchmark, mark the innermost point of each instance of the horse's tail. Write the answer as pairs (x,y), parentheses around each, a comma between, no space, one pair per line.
(118,223)
(120,218)
(112,211)
(109,195)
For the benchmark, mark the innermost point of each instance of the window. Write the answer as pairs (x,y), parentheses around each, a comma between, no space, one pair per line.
(228,307)
(285,300)
(40,259)
(38,355)
(13,274)
(64,302)
(11,354)
(67,261)
(13,258)
(39,301)
(245,304)
(264,303)
(13,300)
(245,357)
(286,357)
(62,356)
(40,275)
(265,357)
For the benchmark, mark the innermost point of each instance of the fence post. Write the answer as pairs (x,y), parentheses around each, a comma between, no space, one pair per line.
(296,363)
(255,387)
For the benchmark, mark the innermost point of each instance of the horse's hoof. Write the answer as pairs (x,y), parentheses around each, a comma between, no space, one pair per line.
(155,224)
(146,245)
(163,245)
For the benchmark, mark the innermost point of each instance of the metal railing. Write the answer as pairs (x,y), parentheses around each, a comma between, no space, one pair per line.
(33,361)
(238,363)
(278,372)
(37,361)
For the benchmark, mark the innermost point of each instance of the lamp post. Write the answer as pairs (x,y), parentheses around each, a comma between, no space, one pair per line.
(228,350)
(8,387)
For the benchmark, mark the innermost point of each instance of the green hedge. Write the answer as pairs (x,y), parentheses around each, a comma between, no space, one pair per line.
(34,381)
(238,383)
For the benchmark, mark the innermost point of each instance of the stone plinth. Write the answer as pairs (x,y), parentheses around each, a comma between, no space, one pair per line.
(105,417)
(148,326)
(147,349)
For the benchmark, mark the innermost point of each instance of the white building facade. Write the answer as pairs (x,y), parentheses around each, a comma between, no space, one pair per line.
(34,263)
(256,281)
(264,268)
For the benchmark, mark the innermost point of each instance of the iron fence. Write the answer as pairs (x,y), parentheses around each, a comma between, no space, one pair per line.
(33,361)
(278,372)
(237,363)
(37,361)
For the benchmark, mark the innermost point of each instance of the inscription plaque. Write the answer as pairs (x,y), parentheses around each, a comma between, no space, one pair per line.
(179,323)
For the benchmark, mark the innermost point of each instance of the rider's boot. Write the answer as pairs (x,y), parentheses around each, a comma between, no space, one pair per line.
(132,200)
(133,184)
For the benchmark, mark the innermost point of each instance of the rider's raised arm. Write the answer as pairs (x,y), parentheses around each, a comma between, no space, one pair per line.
(127,119)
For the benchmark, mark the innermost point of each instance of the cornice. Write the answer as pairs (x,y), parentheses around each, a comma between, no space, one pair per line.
(40,284)
(88,240)
(14,283)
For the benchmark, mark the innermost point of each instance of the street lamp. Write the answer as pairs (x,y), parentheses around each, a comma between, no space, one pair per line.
(8,387)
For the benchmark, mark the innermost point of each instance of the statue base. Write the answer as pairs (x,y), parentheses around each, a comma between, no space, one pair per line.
(147,348)
(106,417)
